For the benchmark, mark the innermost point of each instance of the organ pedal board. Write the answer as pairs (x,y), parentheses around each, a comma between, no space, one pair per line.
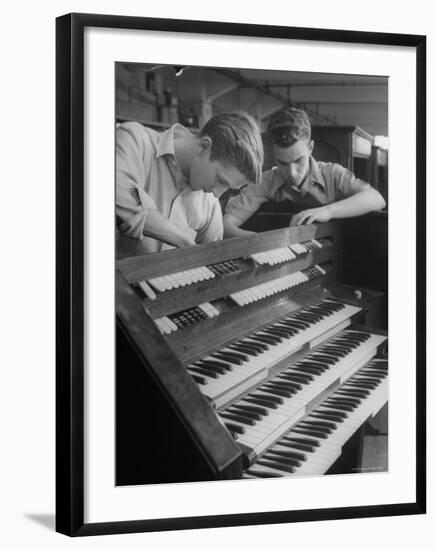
(234,360)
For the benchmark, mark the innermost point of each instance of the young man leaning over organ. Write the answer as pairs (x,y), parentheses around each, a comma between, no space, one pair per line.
(323,190)
(168,184)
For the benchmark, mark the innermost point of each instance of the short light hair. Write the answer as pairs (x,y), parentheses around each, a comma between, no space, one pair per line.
(288,126)
(236,141)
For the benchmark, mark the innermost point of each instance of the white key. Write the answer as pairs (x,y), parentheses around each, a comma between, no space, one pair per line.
(158,283)
(147,290)
(163,326)
(295,405)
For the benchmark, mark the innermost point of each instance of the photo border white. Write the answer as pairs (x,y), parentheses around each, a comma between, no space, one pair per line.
(103,501)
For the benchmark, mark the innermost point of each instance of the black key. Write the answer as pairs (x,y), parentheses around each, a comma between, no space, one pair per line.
(245,349)
(234,353)
(227,357)
(244,412)
(348,345)
(307,318)
(373,375)
(262,402)
(324,358)
(340,406)
(280,459)
(337,407)
(238,418)
(235,427)
(335,305)
(276,331)
(352,336)
(334,354)
(210,368)
(203,372)
(299,377)
(262,345)
(198,379)
(295,385)
(177,322)
(345,400)
(311,317)
(313,365)
(358,336)
(318,422)
(295,323)
(212,363)
(270,397)
(286,384)
(367,378)
(302,440)
(340,351)
(329,415)
(289,330)
(255,345)
(315,426)
(260,410)
(261,474)
(376,368)
(298,446)
(275,465)
(360,385)
(268,332)
(355,393)
(267,339)
(323,310)
(306,430)
(276,391)
(289,454)
(313,370)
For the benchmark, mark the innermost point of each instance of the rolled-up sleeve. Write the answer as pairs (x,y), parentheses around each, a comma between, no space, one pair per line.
(132,202)
(251,197)
(213,228)
(346,183)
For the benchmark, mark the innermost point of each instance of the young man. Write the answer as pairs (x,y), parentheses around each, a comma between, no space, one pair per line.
(322,190)
(168,184)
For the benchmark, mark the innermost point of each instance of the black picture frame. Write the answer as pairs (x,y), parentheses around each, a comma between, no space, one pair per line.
(70,489)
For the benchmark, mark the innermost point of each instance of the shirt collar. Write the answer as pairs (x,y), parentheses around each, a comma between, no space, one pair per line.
(166,141)
(314,177)
(166,147)
(315,174)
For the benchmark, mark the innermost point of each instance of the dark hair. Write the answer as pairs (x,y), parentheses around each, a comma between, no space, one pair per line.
(236,140)
(288,126)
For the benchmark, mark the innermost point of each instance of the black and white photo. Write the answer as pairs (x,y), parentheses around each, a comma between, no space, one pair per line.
(251,219)
(239,237)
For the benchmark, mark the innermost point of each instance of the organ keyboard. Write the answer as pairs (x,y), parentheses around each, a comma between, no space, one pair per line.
(315,442)
(234,359)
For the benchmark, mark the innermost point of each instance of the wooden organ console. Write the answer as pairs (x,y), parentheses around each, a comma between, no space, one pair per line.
(236,360)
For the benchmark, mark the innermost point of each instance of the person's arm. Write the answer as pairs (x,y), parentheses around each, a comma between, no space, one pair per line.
(353,197)
(136,211)
(231,227)
(212,227)
(161,228)
(363,202)
(242,206)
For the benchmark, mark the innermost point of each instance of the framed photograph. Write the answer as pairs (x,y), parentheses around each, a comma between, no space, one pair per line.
(240,233)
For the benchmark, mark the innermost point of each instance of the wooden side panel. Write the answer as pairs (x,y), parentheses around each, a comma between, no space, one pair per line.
(166,429)
(365,251)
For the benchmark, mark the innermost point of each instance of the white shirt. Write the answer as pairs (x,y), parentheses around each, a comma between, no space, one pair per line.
(148,177)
